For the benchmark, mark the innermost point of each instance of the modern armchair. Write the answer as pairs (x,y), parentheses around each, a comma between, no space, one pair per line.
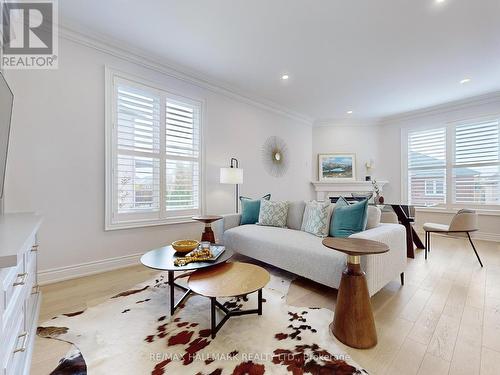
(464,221)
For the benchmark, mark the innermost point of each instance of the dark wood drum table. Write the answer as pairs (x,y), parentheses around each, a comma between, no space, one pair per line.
(163,259)
(208,233)
(230,279)
(353,323)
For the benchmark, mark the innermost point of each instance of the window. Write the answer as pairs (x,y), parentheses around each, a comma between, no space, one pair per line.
(427,167)
(476,177)
(153,154)
(434,188)
(455,166)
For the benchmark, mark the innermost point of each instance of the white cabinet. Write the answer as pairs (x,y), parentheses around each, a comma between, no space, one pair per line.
(19,295)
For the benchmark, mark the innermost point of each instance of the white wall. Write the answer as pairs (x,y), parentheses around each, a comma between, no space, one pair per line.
(363,140)
(390,145)
(56,159)
(382,143)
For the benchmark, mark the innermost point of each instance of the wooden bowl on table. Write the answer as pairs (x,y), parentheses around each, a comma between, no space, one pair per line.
(185,246)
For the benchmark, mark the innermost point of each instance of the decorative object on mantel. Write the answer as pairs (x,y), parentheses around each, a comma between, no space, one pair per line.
(369,166)
(325,189)
(337,167)
(232,175)
(275,156)
(378,199)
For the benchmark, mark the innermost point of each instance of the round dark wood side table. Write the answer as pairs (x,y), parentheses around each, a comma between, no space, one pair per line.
(353,323)
(163,259)
(208,234)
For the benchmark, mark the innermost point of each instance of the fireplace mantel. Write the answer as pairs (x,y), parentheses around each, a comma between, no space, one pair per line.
(344,188)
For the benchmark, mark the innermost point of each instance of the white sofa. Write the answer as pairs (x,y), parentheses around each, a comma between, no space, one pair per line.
(304,254)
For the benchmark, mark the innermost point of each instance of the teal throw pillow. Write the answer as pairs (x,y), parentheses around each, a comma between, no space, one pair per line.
(349,218)
(250,209)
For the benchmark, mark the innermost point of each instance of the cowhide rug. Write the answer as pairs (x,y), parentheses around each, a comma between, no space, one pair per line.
(132,333)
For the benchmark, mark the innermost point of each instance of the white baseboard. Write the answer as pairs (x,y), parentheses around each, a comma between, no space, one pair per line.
(487,236)
(495,237)
(54,275)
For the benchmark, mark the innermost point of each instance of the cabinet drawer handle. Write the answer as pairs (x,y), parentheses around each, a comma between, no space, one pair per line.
(34,248)
(25,342)
(22,279)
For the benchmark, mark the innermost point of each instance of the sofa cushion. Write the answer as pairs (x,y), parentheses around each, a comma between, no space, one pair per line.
(295,214)
(349,218)
(250,209)
(374,215)
(316,218)
(273,213)
(292,250)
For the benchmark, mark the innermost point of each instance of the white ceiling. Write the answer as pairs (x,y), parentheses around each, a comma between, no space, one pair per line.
(377,58)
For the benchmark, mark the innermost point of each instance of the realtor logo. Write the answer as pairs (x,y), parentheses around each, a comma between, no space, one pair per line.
(29,34)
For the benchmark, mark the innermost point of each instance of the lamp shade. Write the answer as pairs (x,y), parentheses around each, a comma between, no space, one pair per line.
(231,176)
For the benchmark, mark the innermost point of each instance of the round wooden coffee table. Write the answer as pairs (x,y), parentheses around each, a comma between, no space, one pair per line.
(163,259)
(353,323)
(229,280)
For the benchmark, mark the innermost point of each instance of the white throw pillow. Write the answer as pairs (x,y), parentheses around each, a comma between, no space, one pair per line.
(316,218)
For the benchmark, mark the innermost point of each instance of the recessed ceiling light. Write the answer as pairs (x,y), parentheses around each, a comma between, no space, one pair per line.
(284,77)
(440,1)
(349,112)
(465,80)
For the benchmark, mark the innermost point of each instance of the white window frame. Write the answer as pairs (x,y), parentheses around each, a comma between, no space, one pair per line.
(433,189)
(449,206)
(163,216)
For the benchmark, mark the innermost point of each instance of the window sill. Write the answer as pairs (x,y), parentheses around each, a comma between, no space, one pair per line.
(443,210)
(147,223)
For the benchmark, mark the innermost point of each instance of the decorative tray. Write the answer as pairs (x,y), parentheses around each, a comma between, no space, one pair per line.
(201,255)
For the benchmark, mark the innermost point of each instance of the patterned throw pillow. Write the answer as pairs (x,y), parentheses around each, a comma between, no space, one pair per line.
(250,209)
(317,218)
(273,213)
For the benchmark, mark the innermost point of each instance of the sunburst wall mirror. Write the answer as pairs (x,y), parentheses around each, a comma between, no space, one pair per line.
(275,156)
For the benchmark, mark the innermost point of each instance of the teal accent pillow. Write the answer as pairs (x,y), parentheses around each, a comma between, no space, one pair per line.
(349,218)
(250,209)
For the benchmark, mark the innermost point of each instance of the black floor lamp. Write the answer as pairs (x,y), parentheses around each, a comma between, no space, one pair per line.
(232,175)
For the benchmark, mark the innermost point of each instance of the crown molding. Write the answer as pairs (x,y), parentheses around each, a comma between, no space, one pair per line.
(346,122)
(487,98)
(137,56)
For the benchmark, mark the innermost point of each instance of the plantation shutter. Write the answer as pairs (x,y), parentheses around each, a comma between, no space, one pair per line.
(155,148)
(137,162)
(427,167)
(182,156)
(476,177)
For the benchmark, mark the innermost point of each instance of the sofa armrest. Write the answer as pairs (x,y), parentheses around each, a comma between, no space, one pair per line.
(227,222)
(382,268)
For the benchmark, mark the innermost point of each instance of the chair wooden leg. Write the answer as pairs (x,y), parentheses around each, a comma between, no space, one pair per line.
(402,277)
(474,248)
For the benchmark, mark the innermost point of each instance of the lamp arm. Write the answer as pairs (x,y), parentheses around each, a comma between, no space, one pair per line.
(236,163)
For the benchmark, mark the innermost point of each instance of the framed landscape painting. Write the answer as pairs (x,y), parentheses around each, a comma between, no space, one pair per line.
(337,167)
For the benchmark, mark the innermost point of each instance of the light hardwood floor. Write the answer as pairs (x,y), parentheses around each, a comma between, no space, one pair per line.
(445,320)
